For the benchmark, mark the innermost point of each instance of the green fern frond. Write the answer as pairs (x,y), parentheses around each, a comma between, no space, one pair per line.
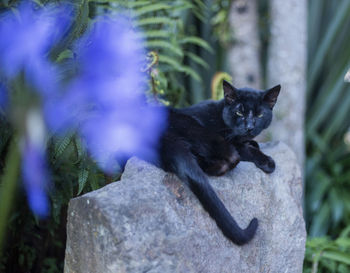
(79,148)
(170,61)
(149,21)
(197,59)
(61,145)
(179,67)
(156,34)
(131,4)
(163,44)
(77,28)
(197,41)
(82,179)
(189,71)
(151,8)
(163,22)
(93,181)
(200,4)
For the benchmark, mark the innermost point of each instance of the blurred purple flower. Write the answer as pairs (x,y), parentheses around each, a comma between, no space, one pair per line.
(106,101)
(27,35)
(34,173)
(34,168)
(26,38)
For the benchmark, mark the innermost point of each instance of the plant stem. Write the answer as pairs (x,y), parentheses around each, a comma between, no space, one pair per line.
(8,187)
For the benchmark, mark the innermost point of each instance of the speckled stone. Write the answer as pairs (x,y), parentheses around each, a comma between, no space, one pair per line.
(151,222)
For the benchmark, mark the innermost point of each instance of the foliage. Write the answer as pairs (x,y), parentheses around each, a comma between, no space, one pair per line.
(166,32)
(326,255)
(327,198)
(327,169)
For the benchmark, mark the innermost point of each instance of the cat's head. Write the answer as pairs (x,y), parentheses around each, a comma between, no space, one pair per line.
(247,111)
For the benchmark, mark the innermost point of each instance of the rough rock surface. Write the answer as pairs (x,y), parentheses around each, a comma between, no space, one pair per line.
(151,222)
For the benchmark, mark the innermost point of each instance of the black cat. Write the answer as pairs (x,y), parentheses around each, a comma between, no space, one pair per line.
(210,138)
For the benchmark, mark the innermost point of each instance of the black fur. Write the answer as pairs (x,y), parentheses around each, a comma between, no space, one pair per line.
(210,138)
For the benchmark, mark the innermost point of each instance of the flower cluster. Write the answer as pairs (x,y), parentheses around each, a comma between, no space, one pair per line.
(26,38)
(106,100)
(104,103)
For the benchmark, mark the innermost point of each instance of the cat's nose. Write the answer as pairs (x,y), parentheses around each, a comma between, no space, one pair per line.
(250,126)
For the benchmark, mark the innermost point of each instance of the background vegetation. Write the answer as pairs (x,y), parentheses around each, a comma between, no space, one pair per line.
(188,41)
(327,170)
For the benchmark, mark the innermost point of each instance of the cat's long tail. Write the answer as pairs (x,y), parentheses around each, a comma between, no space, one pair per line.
(184,164)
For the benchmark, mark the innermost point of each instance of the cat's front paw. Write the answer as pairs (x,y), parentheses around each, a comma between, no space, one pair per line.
(217,168)
(252,143)
(268,166)
(233,159)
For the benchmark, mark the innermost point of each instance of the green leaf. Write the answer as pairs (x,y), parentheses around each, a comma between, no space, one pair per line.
(179,67)
(343,242)
(337,206)
(200,4)
(197,59)
(131,4)
(345,232)
(79,149)
(320,221)
(197,41)
(82,179)
(328,39)
(191,72)
(337,256)
(66,54)
(343,268)
(61,145)
(174,63)
(165,45)
(154,21)
(78,26)
(156,34)
(152,8)
(93,180)
(9,184)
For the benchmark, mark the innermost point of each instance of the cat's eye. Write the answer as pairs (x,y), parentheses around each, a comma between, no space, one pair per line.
(239,113)
(260,115)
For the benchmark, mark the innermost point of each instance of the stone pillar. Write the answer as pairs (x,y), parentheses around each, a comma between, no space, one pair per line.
(244,59)
(287,66)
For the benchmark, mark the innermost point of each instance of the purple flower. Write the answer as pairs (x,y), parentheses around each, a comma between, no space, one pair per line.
(34,168)
(34,173)
(26,38)
(27,35)
(106,100)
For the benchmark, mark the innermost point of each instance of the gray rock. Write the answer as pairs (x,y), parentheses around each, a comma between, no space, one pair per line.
(151,222)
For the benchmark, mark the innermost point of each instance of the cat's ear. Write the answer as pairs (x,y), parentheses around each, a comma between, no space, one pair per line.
(230,94)
(270,96)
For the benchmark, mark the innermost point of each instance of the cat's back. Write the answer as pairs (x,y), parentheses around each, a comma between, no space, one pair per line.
(210,107)
(208,113)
